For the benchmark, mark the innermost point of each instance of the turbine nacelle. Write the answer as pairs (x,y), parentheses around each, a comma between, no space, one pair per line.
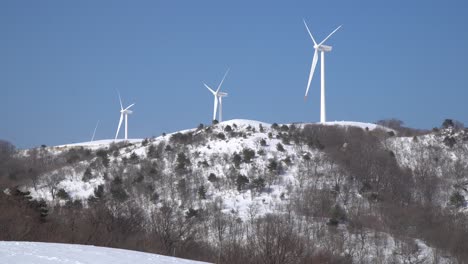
(126,112)
(323,48)
(222,94)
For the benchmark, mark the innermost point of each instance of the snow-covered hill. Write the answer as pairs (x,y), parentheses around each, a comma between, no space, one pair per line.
(53,253)
(332,173)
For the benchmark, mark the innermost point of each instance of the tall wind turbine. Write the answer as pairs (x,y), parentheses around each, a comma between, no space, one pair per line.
(123,113)
(218,97)
(322,48)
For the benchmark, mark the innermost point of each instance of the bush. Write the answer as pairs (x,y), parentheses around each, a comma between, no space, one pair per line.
(221,136)
(449,141)
(279,147)
(258,183)
(228,128)
(182,162)
(134,158)
(182,138)
(447,123)
(237,159)
(87,175)
(263,142)
(275,126)
(62,194)
(104,157)
(202,192)
(272,166)
(241,182)
(284,128)
(212,178)
(457,200)
(337,215)
(248,154)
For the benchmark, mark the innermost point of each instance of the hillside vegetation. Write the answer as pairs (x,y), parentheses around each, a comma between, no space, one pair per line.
(249,192)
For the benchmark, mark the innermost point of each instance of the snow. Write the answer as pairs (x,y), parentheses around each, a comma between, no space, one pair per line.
(99,143)
(52,253)
(362,125)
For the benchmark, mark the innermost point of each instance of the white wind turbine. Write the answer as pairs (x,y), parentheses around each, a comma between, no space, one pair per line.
(218,96)
(322,48)
(123,113)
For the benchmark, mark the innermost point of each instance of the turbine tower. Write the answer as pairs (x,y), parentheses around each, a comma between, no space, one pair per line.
(123,113)
(218,98)
(322,48)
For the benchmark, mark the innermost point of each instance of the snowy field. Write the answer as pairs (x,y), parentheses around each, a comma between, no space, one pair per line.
(52,253)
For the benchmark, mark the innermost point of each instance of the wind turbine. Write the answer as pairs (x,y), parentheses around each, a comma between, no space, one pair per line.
(218,97)
(322,48)
(123,113)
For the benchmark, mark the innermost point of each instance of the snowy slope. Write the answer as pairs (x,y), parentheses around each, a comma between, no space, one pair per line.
(98,143)
(52,253)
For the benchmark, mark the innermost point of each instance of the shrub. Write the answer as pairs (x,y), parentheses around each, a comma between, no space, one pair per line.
(134,158)
(258,183)
(212,178)
(279,147)
(447,123)
(337,215)
(273,165)
(102,154)
(99,191)
(228,128)
(215,122)
(87,175)
(284,128)
(202,192)
(237,159)
(241,182)
(457,200)
(182,162)
(275,126)
(449,141)
(263,142)
(62,194)
(248,154)
(119,193)
(221,136)
(182,138)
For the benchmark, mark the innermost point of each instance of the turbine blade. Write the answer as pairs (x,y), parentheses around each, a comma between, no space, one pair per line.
(120,100)
(312,69)
(310,34)
(118,128)
(215,107)
(329,35)
(94,133)
(211,90)
(129,107)
(219,86)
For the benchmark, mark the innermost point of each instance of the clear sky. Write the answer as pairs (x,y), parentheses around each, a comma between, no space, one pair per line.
(61,63)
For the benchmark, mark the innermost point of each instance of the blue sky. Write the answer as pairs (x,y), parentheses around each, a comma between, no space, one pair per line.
(61,63)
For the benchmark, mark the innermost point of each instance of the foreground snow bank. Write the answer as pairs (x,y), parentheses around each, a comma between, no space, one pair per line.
(51,253)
